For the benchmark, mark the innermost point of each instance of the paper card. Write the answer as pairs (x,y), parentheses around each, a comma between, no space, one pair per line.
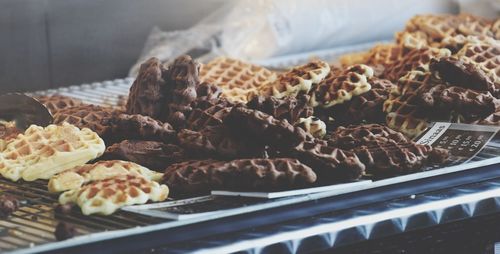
(463,141)
(338,188)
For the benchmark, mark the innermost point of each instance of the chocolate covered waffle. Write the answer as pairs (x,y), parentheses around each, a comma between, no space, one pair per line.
(181,89)
(106,196)
(338,88)
(237,80)
(475,66)
(208,113)
(331,164)
(141,127)
(40,153)
(366,107)
(216,142)
(75,177)
(151,154)
(362,135)
(199,177)
(390,158)
(56,102)
(262,128)
(96,118)
(289,108)
(147,94)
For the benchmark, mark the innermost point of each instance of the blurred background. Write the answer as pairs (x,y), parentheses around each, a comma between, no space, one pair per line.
(52,43)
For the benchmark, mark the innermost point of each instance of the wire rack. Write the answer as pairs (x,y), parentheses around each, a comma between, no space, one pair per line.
(34,223)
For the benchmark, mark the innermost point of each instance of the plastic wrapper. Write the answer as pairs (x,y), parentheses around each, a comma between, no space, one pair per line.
(256,30)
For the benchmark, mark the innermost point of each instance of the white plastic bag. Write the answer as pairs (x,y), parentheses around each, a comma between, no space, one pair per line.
(260,29)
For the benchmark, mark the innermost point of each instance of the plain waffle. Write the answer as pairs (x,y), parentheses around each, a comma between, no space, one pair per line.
(80,175)
(40,152)
(238,80)
(106,196)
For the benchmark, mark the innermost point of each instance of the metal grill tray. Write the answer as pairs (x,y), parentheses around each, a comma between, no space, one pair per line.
(31,228)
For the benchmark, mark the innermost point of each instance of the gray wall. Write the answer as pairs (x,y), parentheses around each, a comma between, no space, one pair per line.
(51,43)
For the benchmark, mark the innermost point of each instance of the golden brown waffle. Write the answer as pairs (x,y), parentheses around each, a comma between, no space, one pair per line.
(106,196)
(384,55)
(472,25)
(495,29)
(96,118)
(436,27)
(347,60)
(416,59)
(339,88)
(238,80)
(199,177)
(412,40)
(404,106)
(56,102)
(40,152)
(298,80)
(76,177)
(475,66)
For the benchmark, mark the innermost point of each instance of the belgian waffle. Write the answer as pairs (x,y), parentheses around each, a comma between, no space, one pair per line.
(339,88)
(416,59)
(56,102)
(196,177)
(384,55)
(151,154)
(404,109)
(76,177)
(40,152)
(106,196)
(298,80)
(238,80)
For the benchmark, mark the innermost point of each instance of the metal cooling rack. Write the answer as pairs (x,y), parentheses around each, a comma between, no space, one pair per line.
(34,223)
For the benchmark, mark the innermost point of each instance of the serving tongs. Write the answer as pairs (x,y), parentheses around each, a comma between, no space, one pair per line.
(21,111)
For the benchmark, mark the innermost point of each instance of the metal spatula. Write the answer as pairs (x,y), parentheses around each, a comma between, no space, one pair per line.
(23,111)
